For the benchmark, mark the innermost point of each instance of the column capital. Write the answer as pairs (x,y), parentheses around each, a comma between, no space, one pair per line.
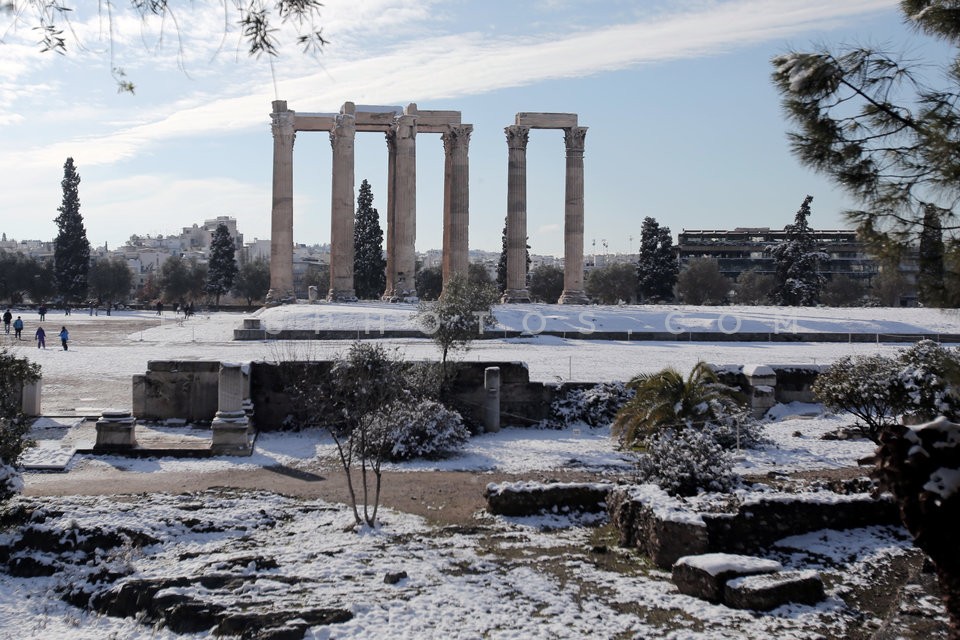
(345,127)
(405,127)
(281,124)
(457,136)
(391,138)
(573,137)
(517,136)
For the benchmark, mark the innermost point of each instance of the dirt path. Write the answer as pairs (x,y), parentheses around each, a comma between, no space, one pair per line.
(442,497)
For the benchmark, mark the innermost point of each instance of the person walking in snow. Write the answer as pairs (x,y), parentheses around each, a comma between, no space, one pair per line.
(42,310)
(64,336)
(7,317)
(41,336)
(18,327)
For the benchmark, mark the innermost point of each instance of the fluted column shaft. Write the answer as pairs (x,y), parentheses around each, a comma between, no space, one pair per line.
(516,285)
(281,213)
(456,201)
(573,219)
(391,245)
(404,209)
(342,140)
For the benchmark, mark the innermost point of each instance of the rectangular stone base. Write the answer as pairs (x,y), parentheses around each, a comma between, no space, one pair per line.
(231,438)
(111,436)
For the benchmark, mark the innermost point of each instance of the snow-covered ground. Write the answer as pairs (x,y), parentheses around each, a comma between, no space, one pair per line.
(518,577)
(105,351)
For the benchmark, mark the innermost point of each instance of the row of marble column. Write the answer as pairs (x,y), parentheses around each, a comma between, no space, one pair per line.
(401,208)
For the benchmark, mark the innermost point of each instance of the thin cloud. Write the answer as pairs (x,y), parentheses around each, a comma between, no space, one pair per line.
(471,63)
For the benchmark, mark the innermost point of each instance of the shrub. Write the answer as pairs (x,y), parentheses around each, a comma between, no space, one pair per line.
(594,406)
(686,461)
(14,374)
(420,429)
(919,384)
(667,400)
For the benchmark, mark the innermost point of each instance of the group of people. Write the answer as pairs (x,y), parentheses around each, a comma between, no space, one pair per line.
(40,335)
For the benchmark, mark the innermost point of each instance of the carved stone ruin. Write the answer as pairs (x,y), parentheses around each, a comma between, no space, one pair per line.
(400,126)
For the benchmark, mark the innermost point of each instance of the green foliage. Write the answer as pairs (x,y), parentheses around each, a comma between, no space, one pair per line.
(14,374)
(417,428)
(546,284)
(684,462)
(502,262)
(318,275)
(919,384)
(657,267)
(182,280)
(71,250)
(20,274)
(461,315)
(253,281)
(478,275)
(369,265)
(797,263)
(221,267)
(843,291)
(110,281)
(429,283)
(667,400)
(870,121)
(700,282)
(930,281)
(753,287)
(612,283)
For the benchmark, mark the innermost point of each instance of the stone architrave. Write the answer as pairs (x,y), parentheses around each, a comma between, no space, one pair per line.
(456,200)
(401,280)
(342,140)
(230,426)
(281,220)
(516,285)
(573,219)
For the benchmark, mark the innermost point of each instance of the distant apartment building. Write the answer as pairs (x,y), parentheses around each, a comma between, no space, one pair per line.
(749,248)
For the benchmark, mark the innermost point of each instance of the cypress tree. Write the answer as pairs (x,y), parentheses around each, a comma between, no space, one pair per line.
(657,267)
(71,250)
(369,265)
(502,263)
(930,285)
(221,267)
(797,263)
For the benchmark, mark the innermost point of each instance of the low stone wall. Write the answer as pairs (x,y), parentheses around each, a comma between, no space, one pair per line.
(521,401)
(188,389)
(667,529)
(177,389)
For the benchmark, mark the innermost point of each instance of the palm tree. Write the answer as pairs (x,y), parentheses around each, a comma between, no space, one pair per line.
(667,400)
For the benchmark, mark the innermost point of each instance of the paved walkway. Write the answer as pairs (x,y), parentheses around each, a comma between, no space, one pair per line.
(58,439)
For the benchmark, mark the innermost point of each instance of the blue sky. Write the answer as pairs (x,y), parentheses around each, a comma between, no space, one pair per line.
(684,123)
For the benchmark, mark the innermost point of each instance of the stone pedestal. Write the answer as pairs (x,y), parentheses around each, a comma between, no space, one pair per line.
(491,403)
(30,399)
(763,384)
(252,329)
(115,431)
(231,426)
(231,434)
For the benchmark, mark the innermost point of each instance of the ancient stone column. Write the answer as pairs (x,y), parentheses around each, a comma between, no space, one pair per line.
(391,247)
(230,427)
(281,220)
(573,219)
(342,207)
(516,289)
(456,200)
(404,208)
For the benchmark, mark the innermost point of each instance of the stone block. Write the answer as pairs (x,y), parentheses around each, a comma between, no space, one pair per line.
(115,430)
(769,591)
(253,323)
(231,435)
(139,389)
(531,498)
(705,576)
(30,398)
